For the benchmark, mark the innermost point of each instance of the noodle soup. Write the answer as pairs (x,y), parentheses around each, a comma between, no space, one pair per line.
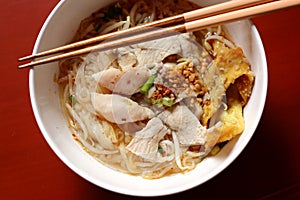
(160,107)
(49,109)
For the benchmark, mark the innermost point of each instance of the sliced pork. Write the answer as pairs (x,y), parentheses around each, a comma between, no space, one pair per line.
(119,109)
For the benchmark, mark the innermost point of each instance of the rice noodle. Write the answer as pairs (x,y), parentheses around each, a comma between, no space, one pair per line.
(159,173)
(188,162)
(221,39)
(177,152)
(133,13)
(127,24)
(127,160)
(113,27)
(195,154)
(78,119)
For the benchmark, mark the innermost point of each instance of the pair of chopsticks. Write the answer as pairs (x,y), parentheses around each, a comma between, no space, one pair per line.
(187,22)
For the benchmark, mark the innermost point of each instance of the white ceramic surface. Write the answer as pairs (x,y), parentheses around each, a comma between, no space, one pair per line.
(59,29)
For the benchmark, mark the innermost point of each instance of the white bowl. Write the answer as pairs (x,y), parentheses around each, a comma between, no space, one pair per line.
(58,30)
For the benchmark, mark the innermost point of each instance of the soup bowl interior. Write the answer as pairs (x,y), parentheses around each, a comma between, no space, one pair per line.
(58,29)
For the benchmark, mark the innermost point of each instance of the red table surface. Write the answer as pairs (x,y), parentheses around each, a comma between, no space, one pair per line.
(269,167)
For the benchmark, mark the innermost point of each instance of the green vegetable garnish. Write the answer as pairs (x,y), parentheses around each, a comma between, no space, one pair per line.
(215,150)
(167,101)
(157,102)
(160,150)
(72,99)
(149,83)
(181,60)
(218,148)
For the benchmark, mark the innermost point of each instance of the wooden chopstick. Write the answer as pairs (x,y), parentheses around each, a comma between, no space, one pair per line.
(174,20)
(155,33)
(182,18)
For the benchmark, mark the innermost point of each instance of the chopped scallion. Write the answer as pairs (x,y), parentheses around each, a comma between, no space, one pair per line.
(157,102)
(167,101)
(215,150)
(160,150)
(145,88)
(72,99)
(181,60)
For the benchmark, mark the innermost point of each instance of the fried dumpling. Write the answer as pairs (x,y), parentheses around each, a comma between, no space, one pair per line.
(234,68)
